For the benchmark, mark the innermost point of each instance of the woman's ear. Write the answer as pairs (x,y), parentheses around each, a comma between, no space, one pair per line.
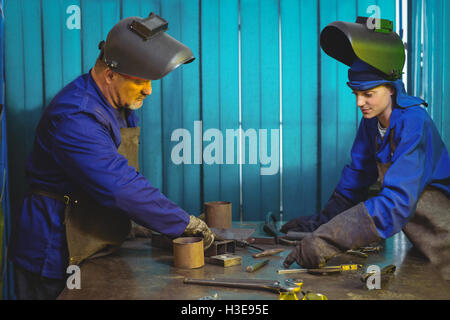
(392,90)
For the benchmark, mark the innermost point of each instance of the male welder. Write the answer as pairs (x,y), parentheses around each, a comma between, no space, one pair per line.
(85,185)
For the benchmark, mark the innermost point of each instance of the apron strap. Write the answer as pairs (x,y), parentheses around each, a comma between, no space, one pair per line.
(63,198)
(66,199)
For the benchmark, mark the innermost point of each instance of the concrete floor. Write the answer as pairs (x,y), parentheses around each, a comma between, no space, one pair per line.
(139,271)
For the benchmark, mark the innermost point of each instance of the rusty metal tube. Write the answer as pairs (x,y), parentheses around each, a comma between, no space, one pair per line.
(218,214)
(188,252)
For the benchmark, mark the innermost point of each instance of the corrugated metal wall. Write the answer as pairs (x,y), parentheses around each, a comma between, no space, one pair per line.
(258,66)
(6,273)
(429,58)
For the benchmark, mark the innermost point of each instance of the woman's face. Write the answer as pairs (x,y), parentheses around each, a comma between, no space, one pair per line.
(375,102)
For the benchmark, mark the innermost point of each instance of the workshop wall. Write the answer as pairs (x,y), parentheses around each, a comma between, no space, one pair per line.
(259,66)
(6,276)
(429,30)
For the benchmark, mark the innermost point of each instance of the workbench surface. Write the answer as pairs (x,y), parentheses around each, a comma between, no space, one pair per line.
(139,271)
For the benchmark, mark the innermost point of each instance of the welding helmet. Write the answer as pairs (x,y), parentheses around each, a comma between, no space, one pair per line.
(371,41)
(141,48)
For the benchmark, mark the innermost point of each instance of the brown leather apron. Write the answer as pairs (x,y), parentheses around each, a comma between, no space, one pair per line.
(91,229)
(429,228)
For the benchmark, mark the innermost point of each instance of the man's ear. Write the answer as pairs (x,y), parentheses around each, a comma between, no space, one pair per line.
(108,75)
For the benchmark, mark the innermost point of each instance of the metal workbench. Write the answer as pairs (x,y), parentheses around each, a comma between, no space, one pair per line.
(140,271)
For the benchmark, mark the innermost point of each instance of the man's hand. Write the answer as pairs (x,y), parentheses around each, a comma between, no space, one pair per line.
(198,227)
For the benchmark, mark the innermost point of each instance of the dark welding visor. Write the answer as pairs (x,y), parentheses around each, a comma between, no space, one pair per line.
(141,48)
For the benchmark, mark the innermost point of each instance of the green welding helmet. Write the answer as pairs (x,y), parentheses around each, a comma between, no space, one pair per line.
(370,40)
(140,47)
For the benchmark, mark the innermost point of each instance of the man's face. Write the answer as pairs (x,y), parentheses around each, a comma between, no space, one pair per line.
(129,92)
(374,102)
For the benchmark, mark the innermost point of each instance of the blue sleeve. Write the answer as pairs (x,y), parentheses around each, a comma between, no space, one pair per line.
(87,153)
(410,171)
(362,172)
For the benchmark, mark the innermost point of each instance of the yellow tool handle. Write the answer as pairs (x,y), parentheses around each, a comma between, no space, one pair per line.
(346,267)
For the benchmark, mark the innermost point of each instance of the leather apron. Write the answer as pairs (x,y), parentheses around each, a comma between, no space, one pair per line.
(429,228)
(91,229)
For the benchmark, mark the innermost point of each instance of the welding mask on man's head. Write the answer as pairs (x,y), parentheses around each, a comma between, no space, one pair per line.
(370,40)
(140,47)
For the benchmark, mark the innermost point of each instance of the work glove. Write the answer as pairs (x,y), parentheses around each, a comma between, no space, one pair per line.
(351,229)
(197,227)
(335,205)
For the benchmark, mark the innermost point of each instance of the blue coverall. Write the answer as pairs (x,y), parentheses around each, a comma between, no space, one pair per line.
(420,160)
(75,148)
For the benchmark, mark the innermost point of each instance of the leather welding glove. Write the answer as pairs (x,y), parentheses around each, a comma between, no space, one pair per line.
(335,205)
(351,229)
(198,227)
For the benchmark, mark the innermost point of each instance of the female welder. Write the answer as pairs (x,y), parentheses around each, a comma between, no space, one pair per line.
(397,144)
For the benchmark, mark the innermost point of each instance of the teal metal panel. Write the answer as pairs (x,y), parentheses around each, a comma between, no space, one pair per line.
(309,107)
(250,17)
(31,19)
(16,98)
(292,56)
(6,267)
(52,18)
(220,98)
(300,106)
(229,98)
(428,57)
(432,60)
(211,94)
(172,113)
(330,82)
(71,54)
(270,110)
(415,47)
(91,32)
(190,90)
(97,18)
(180,91)
(260,103)
(446,75)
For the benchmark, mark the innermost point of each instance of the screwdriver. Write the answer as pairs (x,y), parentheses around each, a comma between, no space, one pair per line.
(257,266)
(342,267)
(244,244)
(266,253)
